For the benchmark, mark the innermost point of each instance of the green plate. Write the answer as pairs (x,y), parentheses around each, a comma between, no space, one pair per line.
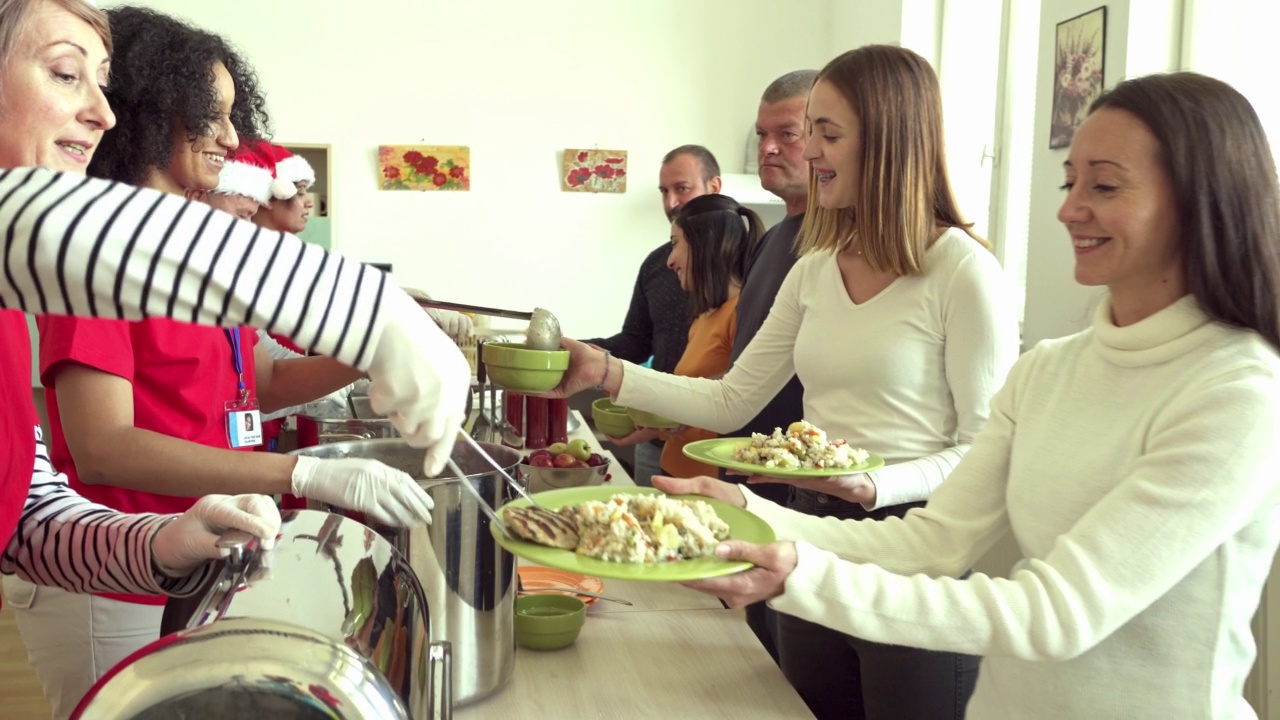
(719,452)
(742,526)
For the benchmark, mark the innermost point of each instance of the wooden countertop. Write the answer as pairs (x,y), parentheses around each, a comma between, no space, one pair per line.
(676,653)
(668,664)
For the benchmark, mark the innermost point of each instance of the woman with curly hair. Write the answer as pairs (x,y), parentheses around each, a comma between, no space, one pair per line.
(147,416)
(183,99)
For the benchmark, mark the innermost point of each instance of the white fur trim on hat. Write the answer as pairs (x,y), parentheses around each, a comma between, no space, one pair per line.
(251,181)
(296,169)
(282,189)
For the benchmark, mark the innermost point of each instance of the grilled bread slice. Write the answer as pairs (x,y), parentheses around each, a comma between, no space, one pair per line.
(542,526)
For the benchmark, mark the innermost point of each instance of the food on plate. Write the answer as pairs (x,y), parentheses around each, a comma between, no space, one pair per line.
(802,446)
(545,527)
(625,528)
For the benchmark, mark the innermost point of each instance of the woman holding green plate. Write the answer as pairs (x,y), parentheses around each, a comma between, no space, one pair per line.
(1134,463)
(710,238)
(897,322)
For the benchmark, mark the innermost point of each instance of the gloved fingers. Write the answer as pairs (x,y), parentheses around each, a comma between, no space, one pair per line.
(438,454)
(252,513)
(415,500)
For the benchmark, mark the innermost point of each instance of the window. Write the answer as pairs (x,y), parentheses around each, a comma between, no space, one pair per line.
(1233,40)
(988,94)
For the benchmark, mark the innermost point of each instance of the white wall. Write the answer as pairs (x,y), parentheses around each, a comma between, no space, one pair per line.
(517,82)
(1143,36)
(914,24)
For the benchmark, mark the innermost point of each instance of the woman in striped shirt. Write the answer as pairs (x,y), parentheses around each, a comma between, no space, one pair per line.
(75,245)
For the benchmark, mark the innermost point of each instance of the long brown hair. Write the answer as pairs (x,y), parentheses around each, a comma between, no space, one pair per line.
(1219,162)
(904,193)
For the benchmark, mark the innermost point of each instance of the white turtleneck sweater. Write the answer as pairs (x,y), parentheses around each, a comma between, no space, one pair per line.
(1139,471)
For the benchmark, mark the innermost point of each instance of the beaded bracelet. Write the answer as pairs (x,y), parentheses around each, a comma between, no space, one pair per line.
(603,380)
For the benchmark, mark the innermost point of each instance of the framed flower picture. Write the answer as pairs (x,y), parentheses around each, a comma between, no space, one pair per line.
(594,171)
(424,167)
(1079,60)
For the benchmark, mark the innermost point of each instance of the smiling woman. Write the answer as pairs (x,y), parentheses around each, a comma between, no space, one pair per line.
(54,111)
(184,100)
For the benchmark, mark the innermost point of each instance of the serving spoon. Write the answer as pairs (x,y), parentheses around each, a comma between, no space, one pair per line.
(544,328)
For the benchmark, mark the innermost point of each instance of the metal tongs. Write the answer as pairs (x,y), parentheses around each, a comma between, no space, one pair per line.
(484,504)
(544,328)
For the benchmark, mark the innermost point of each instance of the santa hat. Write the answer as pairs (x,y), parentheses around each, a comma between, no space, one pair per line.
(289,169)
(245,173)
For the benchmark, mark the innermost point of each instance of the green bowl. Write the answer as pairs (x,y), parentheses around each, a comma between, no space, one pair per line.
(651,420)
(548,621)
(512,366)
(610,419)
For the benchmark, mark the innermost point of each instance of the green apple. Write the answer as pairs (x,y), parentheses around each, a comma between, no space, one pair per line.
(558,449)
(579,449)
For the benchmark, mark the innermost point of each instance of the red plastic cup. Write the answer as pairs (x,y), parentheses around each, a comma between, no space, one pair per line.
(513,408)
(557,421)
(535,422)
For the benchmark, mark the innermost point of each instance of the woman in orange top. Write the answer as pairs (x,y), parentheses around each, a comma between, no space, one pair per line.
(710,240)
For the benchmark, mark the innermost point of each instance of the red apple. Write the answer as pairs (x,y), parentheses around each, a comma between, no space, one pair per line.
(565,460)
(541,461)
(596,460)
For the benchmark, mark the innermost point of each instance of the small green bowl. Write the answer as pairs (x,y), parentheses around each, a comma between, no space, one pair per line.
(548,621)
(610,419)
(512,366)
(650,420)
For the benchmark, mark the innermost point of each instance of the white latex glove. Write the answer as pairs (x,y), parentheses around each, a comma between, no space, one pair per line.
(191,538)
(420,380)
(385,494)
(454,324)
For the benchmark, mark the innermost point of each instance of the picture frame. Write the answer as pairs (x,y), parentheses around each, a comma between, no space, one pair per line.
(1078,72)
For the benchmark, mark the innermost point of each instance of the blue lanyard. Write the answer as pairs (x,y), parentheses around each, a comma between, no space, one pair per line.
(233,337)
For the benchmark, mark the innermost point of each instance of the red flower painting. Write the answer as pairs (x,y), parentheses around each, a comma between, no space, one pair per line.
(425,167)
(594,171)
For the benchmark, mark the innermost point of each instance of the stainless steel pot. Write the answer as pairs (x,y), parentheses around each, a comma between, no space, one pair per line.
(468,578)
(328,575)
(244,668)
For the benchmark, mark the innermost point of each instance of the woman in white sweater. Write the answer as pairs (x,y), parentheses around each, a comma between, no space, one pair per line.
(1135,463)
(900,330)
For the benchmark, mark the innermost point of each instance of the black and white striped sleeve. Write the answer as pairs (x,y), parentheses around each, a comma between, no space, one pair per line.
(75,245)
(67,541)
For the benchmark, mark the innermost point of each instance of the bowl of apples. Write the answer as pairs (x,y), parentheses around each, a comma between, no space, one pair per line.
(562,465)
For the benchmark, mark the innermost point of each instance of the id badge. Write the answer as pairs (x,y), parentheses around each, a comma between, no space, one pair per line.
(244,423)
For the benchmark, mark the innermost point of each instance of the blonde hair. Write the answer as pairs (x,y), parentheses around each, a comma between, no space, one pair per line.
(904,193)
(16,14)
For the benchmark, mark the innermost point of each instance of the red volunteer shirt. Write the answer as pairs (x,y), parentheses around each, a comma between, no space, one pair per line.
(17,420)
(183,376)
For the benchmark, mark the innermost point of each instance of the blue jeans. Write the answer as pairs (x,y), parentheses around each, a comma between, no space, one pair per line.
(648,463)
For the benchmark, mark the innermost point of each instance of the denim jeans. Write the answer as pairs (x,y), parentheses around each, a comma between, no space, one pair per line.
(648,463)
(840,676)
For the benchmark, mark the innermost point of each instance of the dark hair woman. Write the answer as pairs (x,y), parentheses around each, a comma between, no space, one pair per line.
(183,99)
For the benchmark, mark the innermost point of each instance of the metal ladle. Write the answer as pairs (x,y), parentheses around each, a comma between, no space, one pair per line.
(544,328)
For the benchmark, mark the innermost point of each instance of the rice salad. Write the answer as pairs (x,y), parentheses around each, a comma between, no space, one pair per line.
(647,528)
(801,447)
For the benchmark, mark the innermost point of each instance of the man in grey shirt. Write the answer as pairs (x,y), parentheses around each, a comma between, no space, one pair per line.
(785,173)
